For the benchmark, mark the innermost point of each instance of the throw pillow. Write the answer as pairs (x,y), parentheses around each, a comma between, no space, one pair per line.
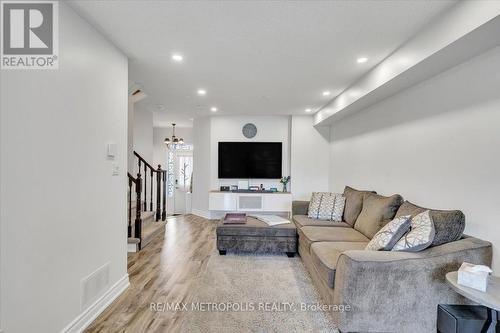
(420,236)
(377,211)
(326,206)
(390,234)
(448,224)
(353,204)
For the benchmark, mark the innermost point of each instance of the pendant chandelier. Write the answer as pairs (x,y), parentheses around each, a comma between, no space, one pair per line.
(173,140)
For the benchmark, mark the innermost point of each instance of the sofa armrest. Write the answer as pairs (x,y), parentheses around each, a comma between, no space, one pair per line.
(399,291)
(300,207)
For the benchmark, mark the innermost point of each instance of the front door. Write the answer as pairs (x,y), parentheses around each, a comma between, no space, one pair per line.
(180,171)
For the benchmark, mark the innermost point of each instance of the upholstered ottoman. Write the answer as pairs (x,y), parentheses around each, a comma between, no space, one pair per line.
(257,236)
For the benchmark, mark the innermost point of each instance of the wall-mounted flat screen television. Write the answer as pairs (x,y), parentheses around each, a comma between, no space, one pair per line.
(258,160)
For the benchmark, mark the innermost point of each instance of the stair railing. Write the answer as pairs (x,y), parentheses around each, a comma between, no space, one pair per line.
(160,177)
(135,184)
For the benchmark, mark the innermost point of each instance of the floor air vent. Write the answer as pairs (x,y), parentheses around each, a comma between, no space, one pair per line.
(94,285)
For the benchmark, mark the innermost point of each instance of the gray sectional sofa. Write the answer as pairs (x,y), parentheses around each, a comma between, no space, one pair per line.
(386,291)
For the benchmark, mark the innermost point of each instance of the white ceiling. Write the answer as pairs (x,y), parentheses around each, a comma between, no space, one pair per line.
(252,57)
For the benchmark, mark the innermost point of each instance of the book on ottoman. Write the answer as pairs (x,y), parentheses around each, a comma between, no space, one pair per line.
(235,218)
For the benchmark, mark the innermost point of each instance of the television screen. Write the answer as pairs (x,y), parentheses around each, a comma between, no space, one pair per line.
(261,160)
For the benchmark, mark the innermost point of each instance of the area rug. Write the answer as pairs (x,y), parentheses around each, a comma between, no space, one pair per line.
(255,293)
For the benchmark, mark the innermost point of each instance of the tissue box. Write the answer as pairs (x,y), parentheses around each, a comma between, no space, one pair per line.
(473,276)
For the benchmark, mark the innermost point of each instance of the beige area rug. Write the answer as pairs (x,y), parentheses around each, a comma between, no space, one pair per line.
(267,293)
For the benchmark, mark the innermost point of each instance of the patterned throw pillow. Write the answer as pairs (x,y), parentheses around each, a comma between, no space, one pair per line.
(386,237)
(420,236)
(326,206)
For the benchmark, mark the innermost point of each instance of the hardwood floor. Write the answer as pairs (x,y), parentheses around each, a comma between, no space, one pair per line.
(163,271)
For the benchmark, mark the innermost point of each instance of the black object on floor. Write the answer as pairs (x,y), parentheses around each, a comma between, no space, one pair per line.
(290,254)
(222,252)
(464,319)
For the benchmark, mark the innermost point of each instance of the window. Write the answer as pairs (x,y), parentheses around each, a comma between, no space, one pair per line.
(170,175)
(185,171)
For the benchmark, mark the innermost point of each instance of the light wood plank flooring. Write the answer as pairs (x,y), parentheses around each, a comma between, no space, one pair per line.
(163,271)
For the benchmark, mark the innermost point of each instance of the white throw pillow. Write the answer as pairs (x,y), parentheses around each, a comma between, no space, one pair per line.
(390,234)
(327,206)
(420,236)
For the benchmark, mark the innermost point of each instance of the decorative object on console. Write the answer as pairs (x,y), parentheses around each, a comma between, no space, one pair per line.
(254,188)
(326,206)
(420,235)
(474,276)
(390,234)
(273,189)
(249,130)
(234,187)
(224,188)
(285,181)
(174,140)
(235,218)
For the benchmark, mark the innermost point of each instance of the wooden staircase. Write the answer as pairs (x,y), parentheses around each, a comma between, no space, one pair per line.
(150,229)
(145,221)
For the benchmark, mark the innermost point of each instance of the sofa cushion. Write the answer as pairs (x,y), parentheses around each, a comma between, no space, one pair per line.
(420,235)
(353,204)
(377,211)
(300,207)
(390,234)
(303,220)
(449,225)
(326,206)
(309,235)
(324,257)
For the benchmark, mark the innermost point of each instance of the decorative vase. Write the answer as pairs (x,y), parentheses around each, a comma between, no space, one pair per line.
(284,188)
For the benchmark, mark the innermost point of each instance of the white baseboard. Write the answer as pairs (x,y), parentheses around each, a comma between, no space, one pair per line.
(201,213)
(90,314)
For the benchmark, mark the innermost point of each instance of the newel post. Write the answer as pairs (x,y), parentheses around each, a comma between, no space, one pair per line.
(138,222)
(158,192)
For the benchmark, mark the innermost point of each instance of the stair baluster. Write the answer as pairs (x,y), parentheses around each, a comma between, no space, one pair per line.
(145,188)
(129,224)
(158,192)
(151,192)
(138,221)
(164,213)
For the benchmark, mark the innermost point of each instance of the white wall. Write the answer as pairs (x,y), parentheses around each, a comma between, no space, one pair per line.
(130,136)
(63,214)
(310,163)
(143,133)
(229,128)
(201,165)
(435,143)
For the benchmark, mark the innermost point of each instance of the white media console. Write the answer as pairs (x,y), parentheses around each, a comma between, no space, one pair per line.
(277,202)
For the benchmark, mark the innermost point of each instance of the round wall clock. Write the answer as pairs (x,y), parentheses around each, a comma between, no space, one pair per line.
(249,130)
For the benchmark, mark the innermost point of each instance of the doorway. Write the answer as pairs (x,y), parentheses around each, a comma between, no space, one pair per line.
(179,175)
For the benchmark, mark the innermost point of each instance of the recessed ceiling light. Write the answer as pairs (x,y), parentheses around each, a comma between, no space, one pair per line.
(177,57)
(326,93)
(213,109)
(202,92)
(362,60)
(308,110)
